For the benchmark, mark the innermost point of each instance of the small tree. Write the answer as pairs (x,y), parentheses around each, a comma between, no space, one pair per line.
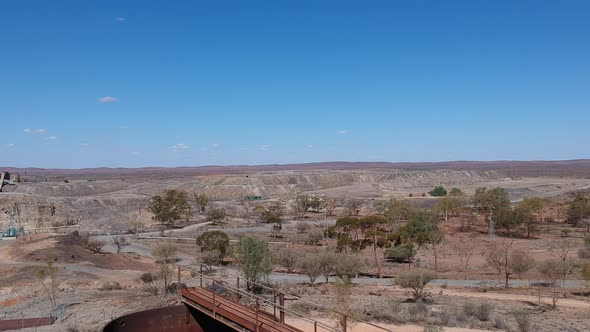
(521,262)
(395,210)
(450,205)
(357,234)
(288,258)
(311,266)
(165,252)
(93,244)
(272,215)
(499,257)
(353,206)
(300,205)
(342,307)
(214,241)
(438,191)
(491,202)
(330,204)
(416,280)
(578,210)
(216,215)
(201,200)
(119,242)
(254,258)
(554,271)
(51,287)
(170,207)
(464,248)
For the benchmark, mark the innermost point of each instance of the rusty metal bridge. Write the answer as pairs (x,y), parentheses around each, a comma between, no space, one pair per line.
(217,305)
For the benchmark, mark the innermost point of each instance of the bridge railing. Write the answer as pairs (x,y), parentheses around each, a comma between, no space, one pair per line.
(278,310)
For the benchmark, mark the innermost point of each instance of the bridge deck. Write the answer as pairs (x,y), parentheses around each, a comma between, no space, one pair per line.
(243,318)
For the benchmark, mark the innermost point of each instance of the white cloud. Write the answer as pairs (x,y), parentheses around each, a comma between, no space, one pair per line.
(136,153)
(123,127)
(83,145)
(9,145)
(51,138)
(310,146)
(35,131)
(215,145)
(264,147)
(342,132)
(120,19)
(108,99)
(179,147)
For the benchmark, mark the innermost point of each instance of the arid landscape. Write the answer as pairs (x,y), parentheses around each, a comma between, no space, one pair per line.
(337,237)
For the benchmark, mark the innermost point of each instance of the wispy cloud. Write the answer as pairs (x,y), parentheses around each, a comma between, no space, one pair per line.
(343,132)
(120,19)
(9,145)
(215,145)
(264,147)
(108,99)
(35,131)
(83,145)
(136,153)
(310,146)
(51,138)
(123,127)
(179,147)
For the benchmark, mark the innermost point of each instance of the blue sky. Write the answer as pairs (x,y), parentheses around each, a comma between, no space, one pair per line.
(171,83)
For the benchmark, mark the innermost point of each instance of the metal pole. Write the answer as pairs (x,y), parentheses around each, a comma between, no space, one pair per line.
(282,304)
(214,299)
(201,276)
(257,327)
(315,326)
(178,285)
(274,304)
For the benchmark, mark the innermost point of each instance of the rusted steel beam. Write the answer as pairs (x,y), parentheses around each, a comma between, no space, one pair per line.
(17,324)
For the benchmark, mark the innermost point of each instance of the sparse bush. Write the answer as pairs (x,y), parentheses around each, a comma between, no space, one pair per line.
(433,328)
(110,285)
(311,266)
(302,227)
(481,311)
(148,277)
(523,321)
(288,258)
(386,310)
(314,237)
(521,262)
(348,265)
(165,251)
(499,323)
(416,279)
(303,307)
(92,244)
(418,311)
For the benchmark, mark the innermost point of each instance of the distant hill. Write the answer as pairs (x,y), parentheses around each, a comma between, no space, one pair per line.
(570,168)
